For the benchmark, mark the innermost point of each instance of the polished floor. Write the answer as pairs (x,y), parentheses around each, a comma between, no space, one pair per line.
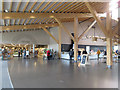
(38,73)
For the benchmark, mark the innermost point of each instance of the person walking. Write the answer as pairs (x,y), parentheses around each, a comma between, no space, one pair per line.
(98,54)
(48,54)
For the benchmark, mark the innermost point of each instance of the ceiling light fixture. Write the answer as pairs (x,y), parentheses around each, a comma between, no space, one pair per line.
(32,11)
(53,11)
(6,10)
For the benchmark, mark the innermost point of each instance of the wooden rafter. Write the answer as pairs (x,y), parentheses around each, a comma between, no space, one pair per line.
(27,21)
(73,5)
(24,21)
(51,6)
(44,15)
(36,21)
(25,6)
(2,5)
(46,21)
(55,6)
(39,5)
(33,6)
(97,18)
(60,6)
(50,34)
(65,29)
(4,22)
(19,21)
(11,6)
(45,6)
(9,21)
(41,20)
(14,21)
(49,20)
(76,7)
(67,6)
(16,27)
(33,21)
(86,30)
(18,6)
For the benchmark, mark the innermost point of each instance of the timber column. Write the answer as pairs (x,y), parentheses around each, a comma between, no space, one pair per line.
(109,52)
(76,38)
(59,48)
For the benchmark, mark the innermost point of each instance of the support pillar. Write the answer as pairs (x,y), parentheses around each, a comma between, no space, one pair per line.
(33,50)
(59,48)
(109,52)
(76,38)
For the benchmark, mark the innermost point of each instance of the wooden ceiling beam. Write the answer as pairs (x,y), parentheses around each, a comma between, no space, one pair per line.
(32,6)
(39,5)
(2,5)
(86,30)
(45,6)
(14,21)
(97,18)
(24,21)
(67,6)
(18,6)
(43,15)
(65,29)
(60,6)
(76,7)
(19,21)
(56,6)
(16,27)
(25,6)
(51,6)
(71,6)
(11,6)
(50,35)
(9,21)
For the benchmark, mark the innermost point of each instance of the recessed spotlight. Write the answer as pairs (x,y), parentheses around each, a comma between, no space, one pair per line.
(53,11)
(6,10)
(32,11)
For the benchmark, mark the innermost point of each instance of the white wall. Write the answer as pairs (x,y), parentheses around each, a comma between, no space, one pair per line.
(53,44)
(26,37)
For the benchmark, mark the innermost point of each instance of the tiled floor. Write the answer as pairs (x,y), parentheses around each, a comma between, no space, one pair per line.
(38,73)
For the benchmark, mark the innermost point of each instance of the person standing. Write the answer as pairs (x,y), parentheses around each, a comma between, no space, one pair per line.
(48,54)
(27,53)
(19,53)
(24,51)
(98,54)
(71,53)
